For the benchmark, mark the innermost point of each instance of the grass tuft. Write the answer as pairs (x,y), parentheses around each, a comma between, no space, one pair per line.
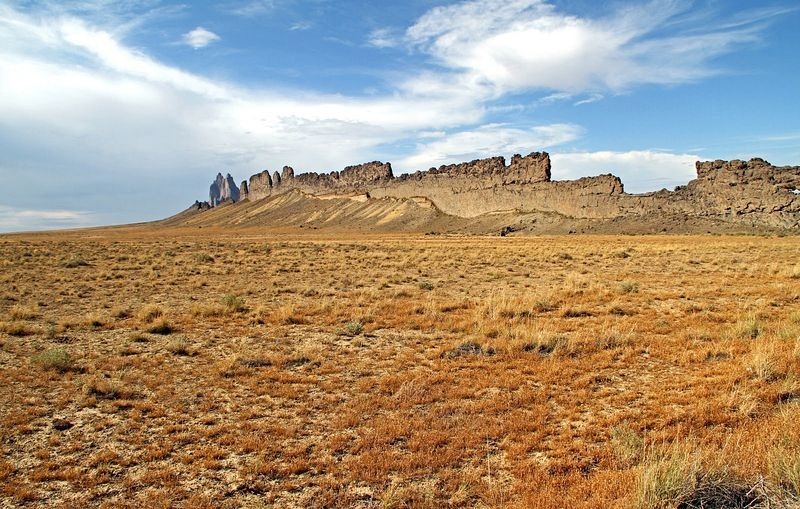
(234,303)
(161,326)
(74,263)
(149,313)
(56,359)
(627,444)
(749,327)
(352,329)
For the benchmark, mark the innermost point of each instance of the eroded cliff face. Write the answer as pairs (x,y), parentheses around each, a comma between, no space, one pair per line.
(750,192)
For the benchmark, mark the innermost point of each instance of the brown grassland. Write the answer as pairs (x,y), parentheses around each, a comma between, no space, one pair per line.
(201,368)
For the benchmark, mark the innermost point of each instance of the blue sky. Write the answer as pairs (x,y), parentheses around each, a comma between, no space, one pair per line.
(123,111)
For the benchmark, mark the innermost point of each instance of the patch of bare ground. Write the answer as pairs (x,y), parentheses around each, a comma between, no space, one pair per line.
(190,368)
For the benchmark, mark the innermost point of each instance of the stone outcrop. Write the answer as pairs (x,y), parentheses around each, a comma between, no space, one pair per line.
(223,189)
(752,191)
(748,192)
(351,179)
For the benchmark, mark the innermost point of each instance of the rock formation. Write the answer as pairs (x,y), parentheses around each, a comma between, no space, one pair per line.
(222,189)
(746,192)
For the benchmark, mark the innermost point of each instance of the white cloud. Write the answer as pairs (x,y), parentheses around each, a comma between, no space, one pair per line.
(300,26)
(486,140)
(199,38)
(514,45)
(640,170)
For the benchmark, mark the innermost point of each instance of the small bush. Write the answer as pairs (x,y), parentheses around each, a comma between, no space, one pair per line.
(353,329)
(620,311)
(23,312)
(56,359)
(575,313)
(178,346)
(546,344)
(203,258)
(74,263)
(19,329)
(296,361)
(468,348)
(138,337)
(629,287)
(121,312)
(102,388)
(94,321)
(208,310)
(763,365)
(425,285)
(234,303)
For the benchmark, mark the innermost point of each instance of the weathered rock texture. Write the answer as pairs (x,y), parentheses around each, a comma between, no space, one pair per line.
(752,192)
(222,189)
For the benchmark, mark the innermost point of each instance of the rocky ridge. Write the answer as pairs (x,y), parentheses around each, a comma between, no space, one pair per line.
(753,193)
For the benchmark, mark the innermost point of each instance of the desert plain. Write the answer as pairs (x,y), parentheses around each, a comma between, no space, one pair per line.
(200,367)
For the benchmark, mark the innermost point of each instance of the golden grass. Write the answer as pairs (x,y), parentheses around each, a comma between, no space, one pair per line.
(398,371)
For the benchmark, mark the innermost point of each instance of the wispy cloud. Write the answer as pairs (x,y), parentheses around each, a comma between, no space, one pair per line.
(199,38)
(384,38)
(17,219)
(793,136)
(593,98)
(301,26)
(253,8)
(640,170)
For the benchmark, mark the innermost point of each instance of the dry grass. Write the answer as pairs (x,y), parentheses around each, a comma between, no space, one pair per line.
(398,371)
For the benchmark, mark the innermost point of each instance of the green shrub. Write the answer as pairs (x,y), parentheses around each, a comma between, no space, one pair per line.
(425,285)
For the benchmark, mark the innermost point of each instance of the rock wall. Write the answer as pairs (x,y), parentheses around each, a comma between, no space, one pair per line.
(753,192)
